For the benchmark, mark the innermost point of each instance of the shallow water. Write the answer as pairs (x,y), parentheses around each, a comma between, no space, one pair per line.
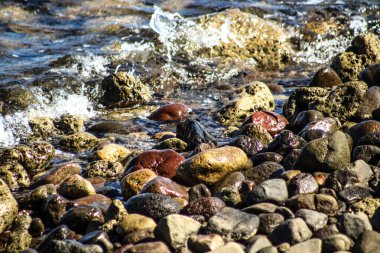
(147,38)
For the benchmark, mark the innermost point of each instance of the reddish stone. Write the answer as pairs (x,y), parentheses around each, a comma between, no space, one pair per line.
(58,174)
(206,206)
(97,181)
(273,122)
(167,187)
(163,162)
(96,198)
(170,112)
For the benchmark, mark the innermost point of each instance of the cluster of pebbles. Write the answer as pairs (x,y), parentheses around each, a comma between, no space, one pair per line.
(304,181)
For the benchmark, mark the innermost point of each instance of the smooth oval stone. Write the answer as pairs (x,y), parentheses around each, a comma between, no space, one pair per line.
(134,222)
(112,153)
(76,187)
(61,232)
(199,191)
(319,128)
(286,142)
(370,139)
(206,206)
(363,128)
(193,133)
(132,183)
(263,172)
(291,159)
(273,122)
(170,112)
(371,75)
(163,162)
(212,165)
(106,127)
(96,198)
(325,77)
(370,102)
(256,132)
(153,205)
(304,118)
(165,186)
(58,174)
(302,183)
(272,190)
(79,218)
(291,231)
(98,237)
(315,220)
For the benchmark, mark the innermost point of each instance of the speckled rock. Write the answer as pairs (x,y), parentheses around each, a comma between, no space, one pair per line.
(325,77)
(163,162)
(98,237)
(206,206)
(76,187)
(212,165)
(273,122)
(103,168)
(132,183)
(112,153)
(36,156)
(325,154)
(319,129)
(363,128)
(123,90)
(233,224)
(370,102)
(256,132)
(367,153)
(169,112)
(304,118)
(249,145)
(68,246)
(70,124)
(53,209)
(78,142)
(302,183)
(228,189)
(285,142)
(19,238)
(269,221)
(291,231)
(267,157)
(153,205)
(253,97)
(175,230)
(15,176)
(176,144)
(8,206)
(315,220)
(133,222)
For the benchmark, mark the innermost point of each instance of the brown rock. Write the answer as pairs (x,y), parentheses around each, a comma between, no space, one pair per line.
(207,206)
(361,129)
(58,174)
(163,162)
(273,122)
(325,77)
(165,186)
(132,183)
(170,112)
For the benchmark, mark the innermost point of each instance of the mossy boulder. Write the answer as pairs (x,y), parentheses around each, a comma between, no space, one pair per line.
(43,127)
(36,156)
(8,207)
(15,176)
(78,142)
(104,169)
(251,98)
(15,97)
(70,124)
(112,153)
(250,37)
(212,165)
(124,90)
(19,238)
(75,187)
(363,52)
(172,143)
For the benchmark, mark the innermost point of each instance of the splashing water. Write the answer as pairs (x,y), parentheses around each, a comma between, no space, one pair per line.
(15,126)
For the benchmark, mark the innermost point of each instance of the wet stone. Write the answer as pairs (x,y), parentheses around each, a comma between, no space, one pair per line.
(36,156)
(163,162)
(98,237)
(304,118)
(104,169)
(132,183)
(176,144)
(80,217)
(153,205)
(70,124)
(58,174)
(319,129)
(233,224)
(256,133)
(302,183)
(169,112)
(206,206)
(286,142)
(247,144)
(266,157)
(371,75)
(75,187)
(193,133)
(370,102)
(78,142)
(112,153)
(367,153)
(325,77)
(138,236)
(273,122)
(54,208)
(165,186)
(35,198)
(133,222)
(363,128)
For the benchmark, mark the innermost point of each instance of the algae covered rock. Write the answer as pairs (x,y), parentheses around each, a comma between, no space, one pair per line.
(8,206)
(252,37)
(36,156)
(124,90)
(212,165)
(19,239)
(104,169)
(70,124)
(363,52)
(253,97)
(15,176)
(43,127)
(78,142)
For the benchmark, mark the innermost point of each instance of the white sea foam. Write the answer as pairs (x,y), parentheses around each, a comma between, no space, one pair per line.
(15,126)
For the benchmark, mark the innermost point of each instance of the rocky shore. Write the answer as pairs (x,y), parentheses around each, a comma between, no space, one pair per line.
(304,180)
